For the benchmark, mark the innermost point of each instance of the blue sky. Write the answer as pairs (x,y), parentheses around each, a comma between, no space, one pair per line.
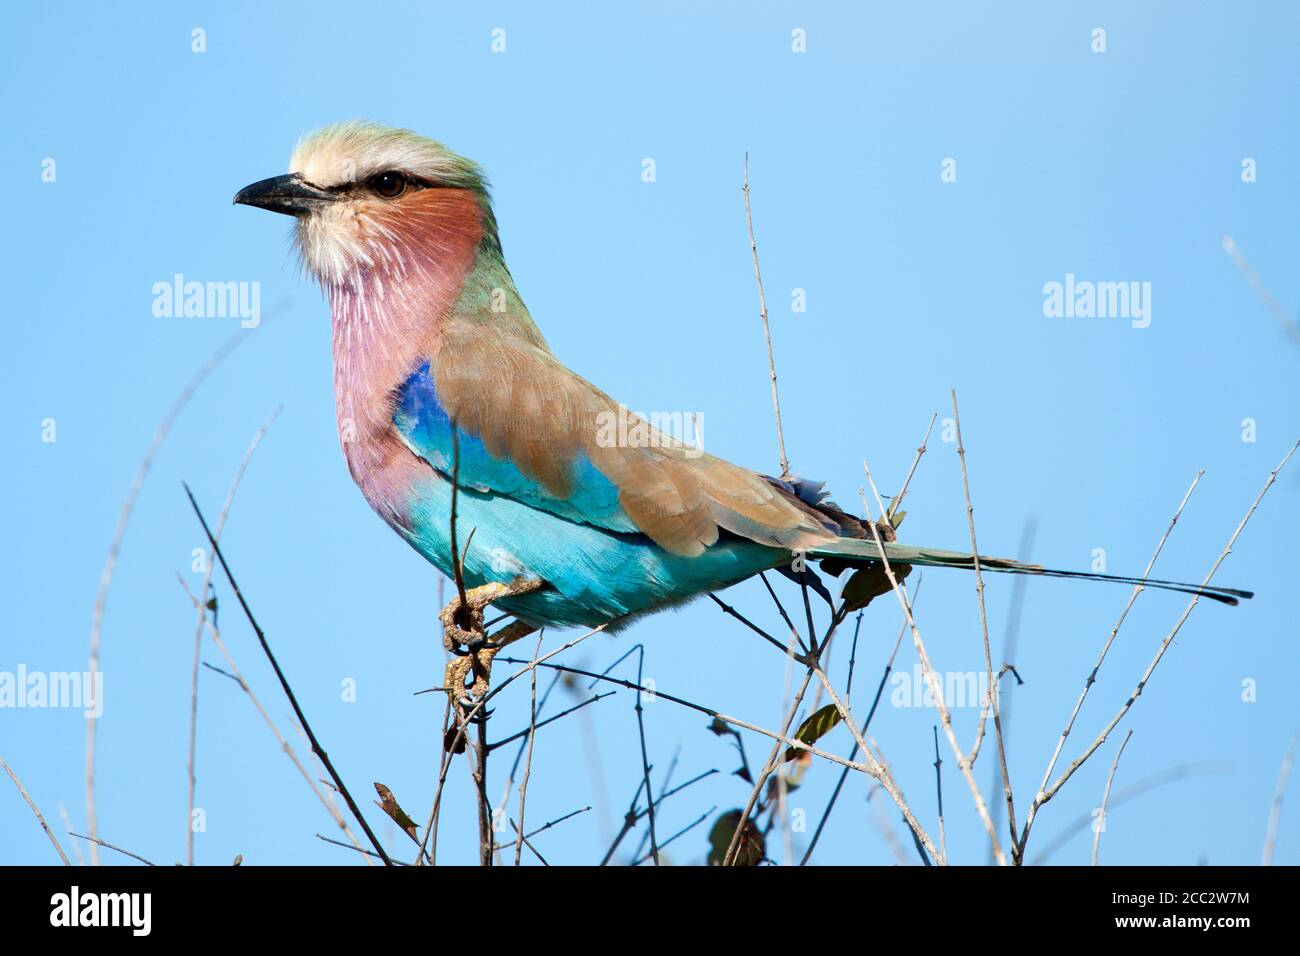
(1121,166)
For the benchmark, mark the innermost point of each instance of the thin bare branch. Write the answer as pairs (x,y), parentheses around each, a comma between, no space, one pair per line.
(680,833)
(198,630)
(897,502)
(880,769)
(875,702)
(39,818)
(931,678)
(370,855)
(984,633)
(1146,784)
(767,332)
(557,821)
(938,791)
(524,841)
(524,734)
(284,685)
(472,712)
(645,759)
(429,845)
(1047,794)
(237,676)
(1105,798)
(96,841)
(1019,584)
(708,711)
(528,761)
(1114,631)
(115,548)
(771,764)
(728,609)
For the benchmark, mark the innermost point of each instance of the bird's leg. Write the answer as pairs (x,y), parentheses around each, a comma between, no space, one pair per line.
(478,663)
(475,665)
(462,624)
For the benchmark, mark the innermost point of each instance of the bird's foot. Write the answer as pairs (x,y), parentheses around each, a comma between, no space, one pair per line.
(464,635)
(462,623)
(468,678)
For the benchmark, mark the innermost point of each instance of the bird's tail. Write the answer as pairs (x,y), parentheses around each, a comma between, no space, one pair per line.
(853,550)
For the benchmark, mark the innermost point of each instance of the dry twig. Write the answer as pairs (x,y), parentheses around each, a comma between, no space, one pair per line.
(767,331)
(1105,798)
(284,685)
(198,629)
(115,547)
(39,819)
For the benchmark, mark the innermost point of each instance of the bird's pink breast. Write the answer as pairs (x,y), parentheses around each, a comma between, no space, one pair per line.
(387,316)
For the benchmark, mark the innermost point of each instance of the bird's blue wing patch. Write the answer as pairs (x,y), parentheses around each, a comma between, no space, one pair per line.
(426,428)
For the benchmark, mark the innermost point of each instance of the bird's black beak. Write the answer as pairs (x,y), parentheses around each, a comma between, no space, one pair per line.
(289,194)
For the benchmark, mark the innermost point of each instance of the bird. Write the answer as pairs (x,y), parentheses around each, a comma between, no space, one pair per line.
(478,446)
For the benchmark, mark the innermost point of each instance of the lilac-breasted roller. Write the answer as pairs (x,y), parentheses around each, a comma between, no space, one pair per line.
(439,370)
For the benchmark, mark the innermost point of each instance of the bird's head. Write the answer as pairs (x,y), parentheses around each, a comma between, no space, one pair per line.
(370,198)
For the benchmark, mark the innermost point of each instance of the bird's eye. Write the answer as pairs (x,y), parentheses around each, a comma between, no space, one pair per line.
(390,185)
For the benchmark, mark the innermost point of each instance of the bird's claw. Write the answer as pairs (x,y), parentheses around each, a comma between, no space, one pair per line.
(462,619)
(464,635)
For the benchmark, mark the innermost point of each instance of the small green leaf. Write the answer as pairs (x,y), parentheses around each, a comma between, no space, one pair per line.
(818,725)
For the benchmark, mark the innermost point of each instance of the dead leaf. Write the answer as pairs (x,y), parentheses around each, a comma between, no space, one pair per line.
(869,583)
(388,803)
